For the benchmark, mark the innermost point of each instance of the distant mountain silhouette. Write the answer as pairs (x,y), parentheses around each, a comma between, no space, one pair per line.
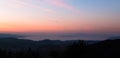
(12,42)
(16,43)
(106,49)
(2,35)
(13,47)
(114,37)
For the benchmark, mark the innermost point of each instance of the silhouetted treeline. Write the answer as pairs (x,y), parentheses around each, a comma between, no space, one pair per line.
(80,49)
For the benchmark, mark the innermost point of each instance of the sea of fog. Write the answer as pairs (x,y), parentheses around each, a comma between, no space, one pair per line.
(78,36)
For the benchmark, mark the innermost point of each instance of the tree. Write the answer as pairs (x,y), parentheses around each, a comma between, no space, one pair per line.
(77,50)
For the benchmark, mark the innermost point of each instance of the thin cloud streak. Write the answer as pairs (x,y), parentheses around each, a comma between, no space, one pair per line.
(58,3)
(62,4)
(33,6)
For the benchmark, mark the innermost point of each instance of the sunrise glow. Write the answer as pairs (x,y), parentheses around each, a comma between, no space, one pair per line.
(59,16)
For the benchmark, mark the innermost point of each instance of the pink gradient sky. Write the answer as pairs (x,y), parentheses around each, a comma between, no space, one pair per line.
(59,16)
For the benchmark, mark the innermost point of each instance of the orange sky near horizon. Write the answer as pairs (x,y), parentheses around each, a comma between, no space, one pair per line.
(59,16)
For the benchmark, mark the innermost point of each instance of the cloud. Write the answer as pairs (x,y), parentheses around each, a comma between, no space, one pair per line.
(62,4)
(58,3)
(22,3)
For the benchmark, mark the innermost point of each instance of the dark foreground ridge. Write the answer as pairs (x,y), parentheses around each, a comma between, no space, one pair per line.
(11,47)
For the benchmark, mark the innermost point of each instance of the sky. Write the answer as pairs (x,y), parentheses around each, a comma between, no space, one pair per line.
(84,16)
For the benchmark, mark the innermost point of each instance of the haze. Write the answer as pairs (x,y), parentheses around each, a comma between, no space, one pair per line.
(82,16)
